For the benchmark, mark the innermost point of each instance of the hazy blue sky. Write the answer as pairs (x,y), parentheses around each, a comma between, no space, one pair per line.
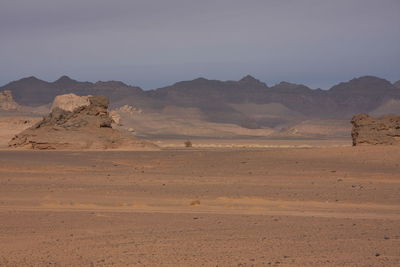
(152,43)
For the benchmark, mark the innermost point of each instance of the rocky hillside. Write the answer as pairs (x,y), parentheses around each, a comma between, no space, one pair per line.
(248,102)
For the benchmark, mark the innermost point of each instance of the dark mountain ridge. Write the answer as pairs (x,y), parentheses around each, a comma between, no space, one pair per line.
(397,84)
(217,99)
(32,91)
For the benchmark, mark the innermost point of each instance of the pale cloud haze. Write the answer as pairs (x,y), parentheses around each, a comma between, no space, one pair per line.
(152,43)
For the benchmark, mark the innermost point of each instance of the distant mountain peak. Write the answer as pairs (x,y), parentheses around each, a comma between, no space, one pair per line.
(200,79)
(367,78)
(64,79)
(287,84)
(370,84)
(249,78)
(111,84)
(65,82)
(31,79)
(197,81)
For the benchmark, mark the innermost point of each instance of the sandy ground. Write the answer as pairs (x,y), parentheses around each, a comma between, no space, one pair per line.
(337,206)
(252,143)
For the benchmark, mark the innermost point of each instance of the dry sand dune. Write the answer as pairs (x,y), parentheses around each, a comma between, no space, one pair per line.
(294,206)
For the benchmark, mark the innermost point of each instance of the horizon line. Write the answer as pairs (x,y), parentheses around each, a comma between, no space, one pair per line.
(200,77)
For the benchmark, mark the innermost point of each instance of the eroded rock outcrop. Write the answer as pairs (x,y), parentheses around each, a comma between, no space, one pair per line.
(370,131)
(77,123)
(7,101)
(70,102)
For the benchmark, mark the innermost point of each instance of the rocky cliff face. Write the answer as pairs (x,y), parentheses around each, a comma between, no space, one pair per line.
(370,131)
(77,123)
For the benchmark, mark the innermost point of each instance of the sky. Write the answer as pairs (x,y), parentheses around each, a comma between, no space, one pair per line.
(154,43)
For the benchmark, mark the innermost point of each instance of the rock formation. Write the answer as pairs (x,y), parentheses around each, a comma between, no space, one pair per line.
(130,109)
(7,101)
(115,117)
(370,131)
(126,110)
(70,102)
(77,123)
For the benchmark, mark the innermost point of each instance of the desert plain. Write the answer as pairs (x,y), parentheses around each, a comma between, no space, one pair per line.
(199,133)
(308,203)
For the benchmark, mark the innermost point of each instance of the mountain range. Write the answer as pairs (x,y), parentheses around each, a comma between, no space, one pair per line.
(248,102)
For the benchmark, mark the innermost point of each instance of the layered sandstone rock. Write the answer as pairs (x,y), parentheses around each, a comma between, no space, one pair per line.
(370,131)
(77,123)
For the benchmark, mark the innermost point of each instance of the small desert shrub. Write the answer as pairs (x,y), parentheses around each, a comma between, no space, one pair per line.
(195,203)
(188,143)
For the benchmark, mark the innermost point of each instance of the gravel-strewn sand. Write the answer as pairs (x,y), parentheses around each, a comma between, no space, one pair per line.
(304,206)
